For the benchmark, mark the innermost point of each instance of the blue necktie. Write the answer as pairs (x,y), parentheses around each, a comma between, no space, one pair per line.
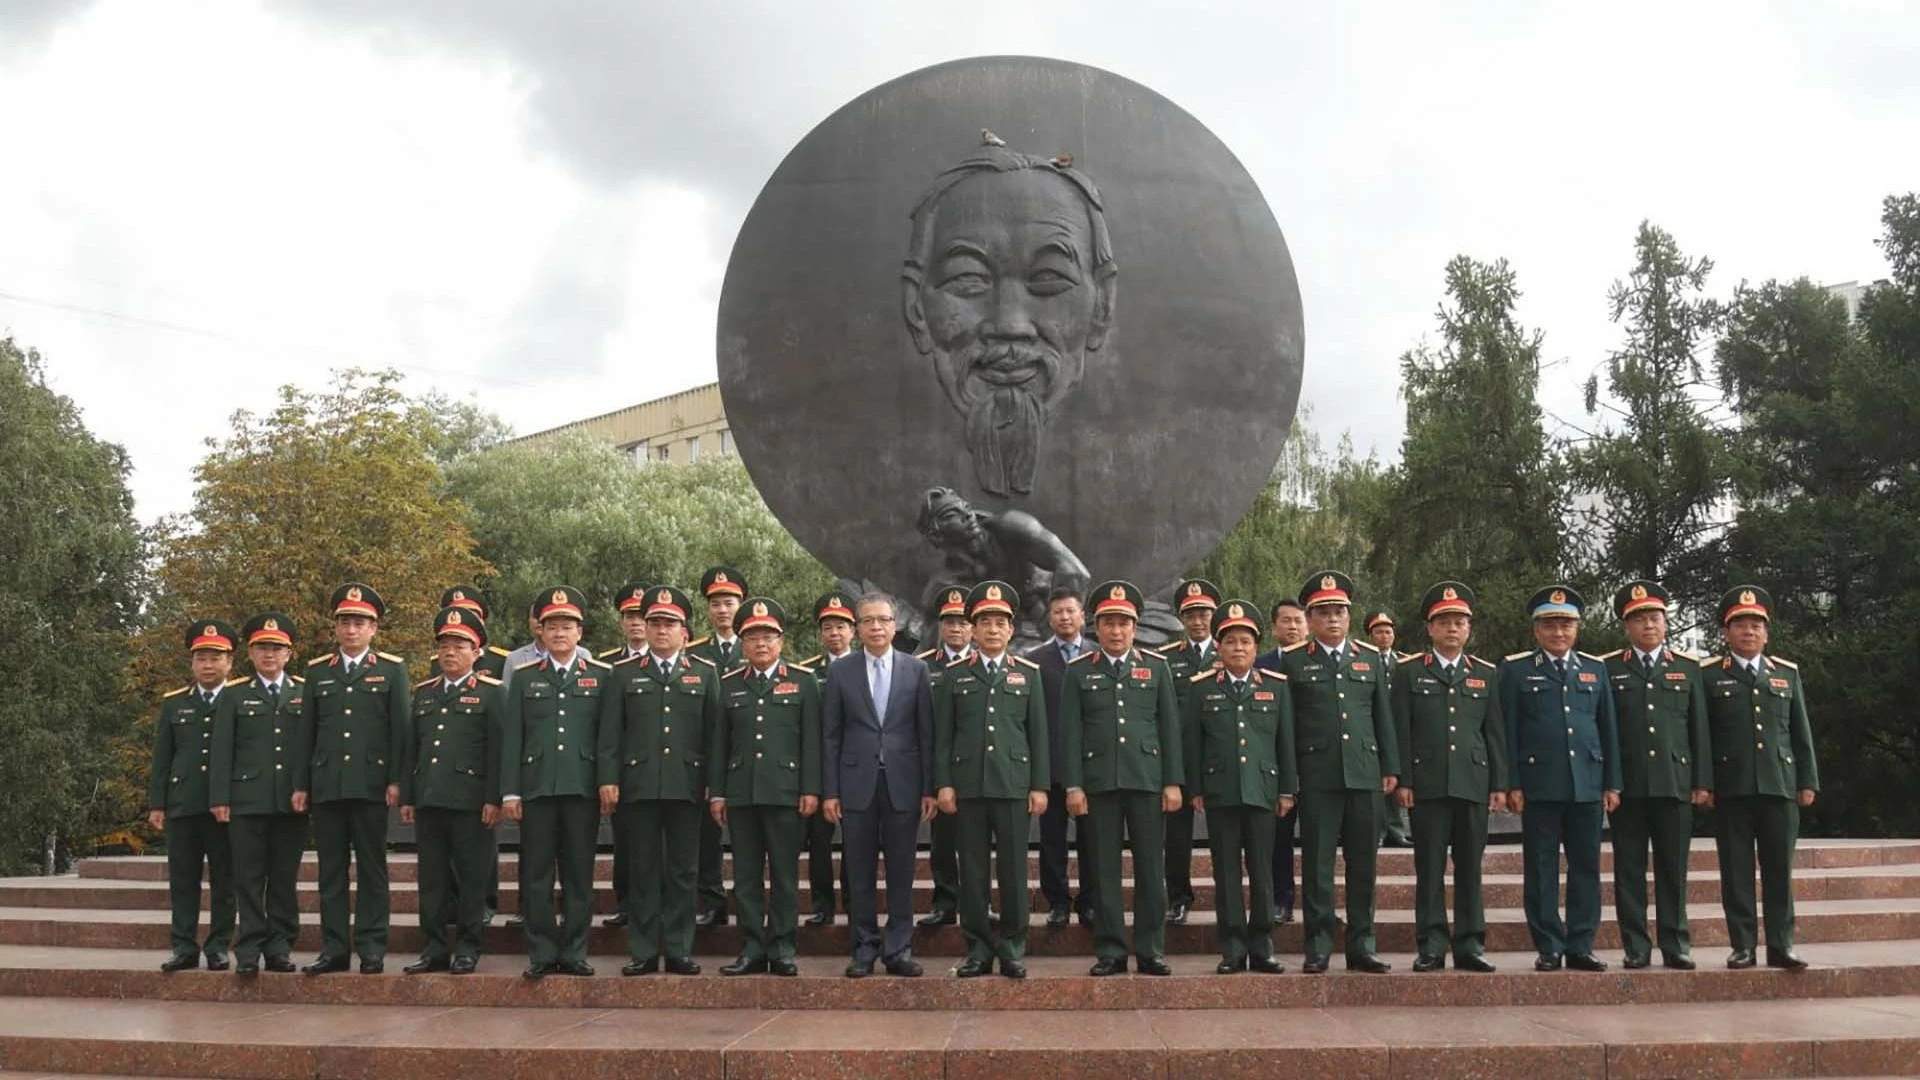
(879,680)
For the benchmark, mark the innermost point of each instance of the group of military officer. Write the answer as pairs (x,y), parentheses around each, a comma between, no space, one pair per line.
(674,738)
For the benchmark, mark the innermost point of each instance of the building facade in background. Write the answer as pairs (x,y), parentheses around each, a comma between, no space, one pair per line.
(680,428)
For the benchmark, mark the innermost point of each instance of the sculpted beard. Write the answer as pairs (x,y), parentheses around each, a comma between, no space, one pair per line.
(1004,386)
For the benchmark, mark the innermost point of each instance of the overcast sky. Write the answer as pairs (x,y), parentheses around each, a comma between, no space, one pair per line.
(534,202)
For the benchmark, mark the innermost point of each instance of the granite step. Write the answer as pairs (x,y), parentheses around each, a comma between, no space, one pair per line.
(1838,970)
(1819,921)
(271,1041)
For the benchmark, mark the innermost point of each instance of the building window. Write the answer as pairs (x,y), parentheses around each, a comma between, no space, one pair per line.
(639,452)
(693,450)
(663,453)
(726,442)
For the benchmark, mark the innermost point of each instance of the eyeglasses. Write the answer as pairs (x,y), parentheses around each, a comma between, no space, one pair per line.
(876,620)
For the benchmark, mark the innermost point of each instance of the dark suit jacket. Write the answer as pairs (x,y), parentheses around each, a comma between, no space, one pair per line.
(852,737)
(1053,671)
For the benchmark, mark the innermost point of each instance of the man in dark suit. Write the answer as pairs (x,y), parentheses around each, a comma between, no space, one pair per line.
(1066,615)
(877,731)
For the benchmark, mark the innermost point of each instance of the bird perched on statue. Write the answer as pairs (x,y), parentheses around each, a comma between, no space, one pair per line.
(1063,161)
(988,138)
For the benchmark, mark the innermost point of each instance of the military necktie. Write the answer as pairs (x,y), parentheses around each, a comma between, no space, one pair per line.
(273,694)
(206,697)
(993,670)
(1560,669)
(759,682)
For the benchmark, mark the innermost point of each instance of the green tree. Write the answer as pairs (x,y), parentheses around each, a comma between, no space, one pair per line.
(69,596)
(1478,494)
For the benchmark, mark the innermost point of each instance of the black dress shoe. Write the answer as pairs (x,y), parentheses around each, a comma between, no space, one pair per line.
(618,918)
(1740,959)
(540,970)
(1177,915)
(1230,966)
(1316,964)
(973,967)
(1286,914)
(859,969)
(743,966)
(1546,962)
(282,965)
(937,917)
(906,967)
(1473,962)
(1776,958)
(178,962)
(786,969)
(710,918)
(1635,963)
(426,964)
(325,965)
(645,967)
(1677,961)
(823,917)
(580,969)
(1368,963)
(246,967)
(1086,916)
(1265,965)
(1057,918)
(1013,969)
(372,967)
(217,963)
(1109,965)
(1152,965)
(516,921)
(1425,963)
(1585,961)
(464,965)
(682,965)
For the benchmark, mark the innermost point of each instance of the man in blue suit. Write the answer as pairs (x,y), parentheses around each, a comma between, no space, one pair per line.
(877,734)
(1564,748)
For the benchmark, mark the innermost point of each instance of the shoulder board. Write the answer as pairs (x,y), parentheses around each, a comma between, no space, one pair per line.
(1521,655)
(604,653)
(736,671)
(1681,655)
(706,661)
(1088,655)
(321,659)
(627,659)
(1201,676)
(1023,660)
(1709,661)
(237,680)
(1271,674)
(528,664)
(1175,647)
(967,659)
(812,661)
(1483,660)
(485,678)
(299,679)
(1590,656)
(1788,664)
(426,682)
(1295,645)
(800,667)
(1608,656)
(597,662)
(1155,653)
(498,651)
(1367,645)
(177,693)
(925,654)
(699,641)
(391,657)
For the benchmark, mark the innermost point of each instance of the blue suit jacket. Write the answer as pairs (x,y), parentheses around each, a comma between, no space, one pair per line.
(853,739)
(1053,673)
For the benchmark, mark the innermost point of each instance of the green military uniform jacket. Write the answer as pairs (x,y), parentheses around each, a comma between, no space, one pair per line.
(1778,757)
(456,751)
(253,748)
(990,734)
(183,749)
(1452,742)
(707,648)
(1665,747)
(1342,717)
(1240,738)
(549,728)
(355,730)
(655,733)
(1120,734)
(492,662)
(765,749)
(1185,661)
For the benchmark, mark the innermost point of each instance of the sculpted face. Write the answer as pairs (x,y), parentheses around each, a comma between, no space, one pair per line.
(1007,305)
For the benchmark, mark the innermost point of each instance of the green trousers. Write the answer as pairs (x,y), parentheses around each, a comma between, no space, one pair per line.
(1546,829)
(267,849)
(620,870)
(557,834)
(943,862)
(766,878)
(1393,822)
(820,875)
(1138,813)
(1342,821)
(353,829)
(713,884)
(1772,825)
(996,829)
(490,899)
(194,842)
(1179,855)
(453,847)
(1666,825)
(1241,838)
(1443,827)
(663,855)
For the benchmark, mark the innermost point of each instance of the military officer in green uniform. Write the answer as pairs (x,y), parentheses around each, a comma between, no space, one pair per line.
(1564,745)
(1659,697)
(722,587)
(1453,751)
(833,617)
(548,777)
(1759,791)
(252,791)
(1196,600)
(655,727)
(492,663)
(1121,735)
(631,603)
(1384,632)
(1344,742)
(990,776)
(355,735)
(943,853)
(1241,774)
(763,770)
(178,792)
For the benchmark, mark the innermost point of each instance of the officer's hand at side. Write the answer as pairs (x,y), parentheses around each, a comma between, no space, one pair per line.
(609,798)
(406,815)
(157,819)
(223,814)
(831,809)
(718,811)
(1388,783)
(1517,801)
(1702,797)
(1806,797)
(1403,798)
(1199,804)
(511,808)
(928,808)
(1610,801)
(299,802)
(1170,798)
(393,794)
(1284,806)
(809,805)
(489,816)
(949,801)
(1036,802)
(1496,802)
(1077,803)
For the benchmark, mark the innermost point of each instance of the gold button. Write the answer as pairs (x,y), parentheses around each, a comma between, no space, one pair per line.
(1653,753)
(1341,695)
(1759,746)
(989,748)
(279,766)
(346,734)
(759,719)
(442,727)
(1243,725)
(1344,735)
(1756,727)
(563,696)
(349,712)
(277,749)
(1569,753)
(666,731)
(563,731)
(203,768)
(276,731)
(562,746)
(1243,759)
(1451,729)
(1123,720)
(989,727)
(1450,747)
(563,712)
(443,709)
(666,708)
(1243,742)
(664,750)
(758,756)
(1451,710)
(1649,729)
(1123,738)
(1649,704)
(433,761)
(346,757)
(1569,731)
(759,735)
(989,708)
